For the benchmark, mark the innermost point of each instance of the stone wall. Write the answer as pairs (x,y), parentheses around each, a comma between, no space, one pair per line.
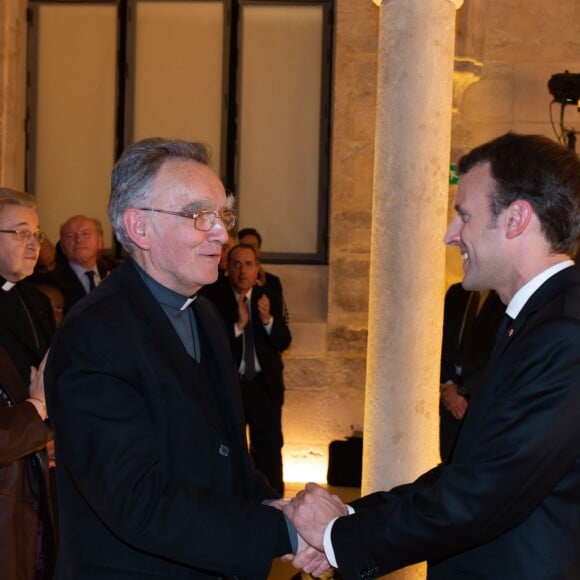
(512,48)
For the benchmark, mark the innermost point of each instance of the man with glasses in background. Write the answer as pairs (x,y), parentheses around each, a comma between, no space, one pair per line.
(26,318)
(26,327)
(153,472)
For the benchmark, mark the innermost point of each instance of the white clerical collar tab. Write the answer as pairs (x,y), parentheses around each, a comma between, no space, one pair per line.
(7,286)
(188,302)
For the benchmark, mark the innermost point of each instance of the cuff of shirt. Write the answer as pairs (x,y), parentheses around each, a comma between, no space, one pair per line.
(268,327)
(327,542)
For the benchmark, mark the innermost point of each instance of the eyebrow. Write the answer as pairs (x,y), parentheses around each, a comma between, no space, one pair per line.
(194,206)
(23,225)
(207,204)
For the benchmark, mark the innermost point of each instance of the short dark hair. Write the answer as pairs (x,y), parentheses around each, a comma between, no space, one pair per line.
(536,169)
(250,232)
(135,170)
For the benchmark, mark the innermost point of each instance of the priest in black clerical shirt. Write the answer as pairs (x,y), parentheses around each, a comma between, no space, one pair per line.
(26,317)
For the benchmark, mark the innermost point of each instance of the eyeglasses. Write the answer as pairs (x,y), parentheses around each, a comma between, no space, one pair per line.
(202,220)
(25,235)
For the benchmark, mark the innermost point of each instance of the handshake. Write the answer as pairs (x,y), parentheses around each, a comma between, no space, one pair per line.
(310,512)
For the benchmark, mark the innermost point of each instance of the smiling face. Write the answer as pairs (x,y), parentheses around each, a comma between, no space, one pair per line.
(478,236)
(172,250)
(17,258)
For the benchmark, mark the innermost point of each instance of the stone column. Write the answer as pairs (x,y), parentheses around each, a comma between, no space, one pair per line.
(407,272)
(12,91)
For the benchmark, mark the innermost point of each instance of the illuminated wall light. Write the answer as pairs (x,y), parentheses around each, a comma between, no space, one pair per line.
(304,465)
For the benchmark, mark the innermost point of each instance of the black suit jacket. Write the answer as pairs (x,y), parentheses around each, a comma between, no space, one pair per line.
(153,473)
(507,506)
(64,278)
(16,335)
(269,347)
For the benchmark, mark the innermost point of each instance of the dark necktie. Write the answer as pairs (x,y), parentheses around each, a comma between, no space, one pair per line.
(90,274)
(250,366)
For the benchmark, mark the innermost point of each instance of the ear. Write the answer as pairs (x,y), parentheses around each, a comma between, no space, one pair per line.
(518,216)
(136,228)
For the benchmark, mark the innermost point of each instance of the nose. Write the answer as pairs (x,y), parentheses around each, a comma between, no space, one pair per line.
(219,232)
(453,234)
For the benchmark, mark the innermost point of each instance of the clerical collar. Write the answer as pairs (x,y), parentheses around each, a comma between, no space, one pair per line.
(165,296)
(6,285)
(188,302)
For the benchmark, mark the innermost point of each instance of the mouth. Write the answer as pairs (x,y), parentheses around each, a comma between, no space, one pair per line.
(465,256)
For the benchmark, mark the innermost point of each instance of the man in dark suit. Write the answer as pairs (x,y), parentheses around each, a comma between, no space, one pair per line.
(153,472)
(78,270)
(267,280)
(26,318)
(507,505)
(245,306)
(470,321)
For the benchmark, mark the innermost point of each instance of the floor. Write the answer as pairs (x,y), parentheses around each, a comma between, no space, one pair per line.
(285,570)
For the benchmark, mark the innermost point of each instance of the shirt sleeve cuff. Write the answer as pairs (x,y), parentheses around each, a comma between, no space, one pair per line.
(327,542)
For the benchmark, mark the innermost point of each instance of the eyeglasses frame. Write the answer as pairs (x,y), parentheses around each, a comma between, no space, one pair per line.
(24,235)
(194,216)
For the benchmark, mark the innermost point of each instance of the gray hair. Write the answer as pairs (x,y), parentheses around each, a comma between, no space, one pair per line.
(12,197)
(135,170)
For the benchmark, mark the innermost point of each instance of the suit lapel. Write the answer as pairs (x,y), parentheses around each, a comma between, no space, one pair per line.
(43,317)
(544,294)
(227,386)
(166,340)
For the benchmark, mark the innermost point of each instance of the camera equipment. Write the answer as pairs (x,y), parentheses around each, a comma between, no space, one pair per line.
(565,87)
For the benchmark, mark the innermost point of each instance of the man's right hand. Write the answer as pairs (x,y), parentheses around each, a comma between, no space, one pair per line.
(312,510)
